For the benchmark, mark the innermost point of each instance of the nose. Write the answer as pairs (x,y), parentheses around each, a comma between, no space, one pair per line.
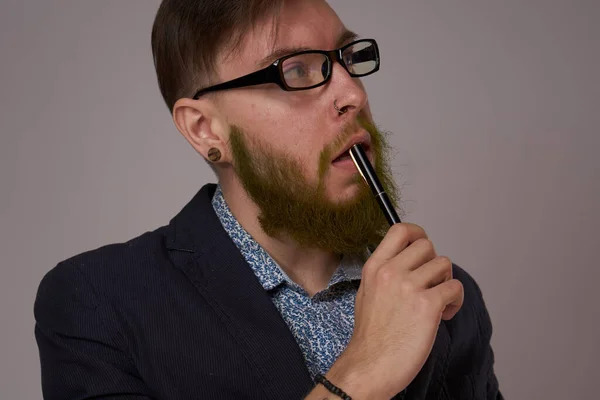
(349,93)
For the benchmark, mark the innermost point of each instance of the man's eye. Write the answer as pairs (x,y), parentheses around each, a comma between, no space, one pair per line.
(295,71)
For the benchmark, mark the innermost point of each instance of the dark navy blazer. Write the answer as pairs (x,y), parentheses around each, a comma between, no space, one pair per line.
(178,314)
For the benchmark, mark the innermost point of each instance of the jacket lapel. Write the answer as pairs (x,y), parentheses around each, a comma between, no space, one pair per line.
(202,249)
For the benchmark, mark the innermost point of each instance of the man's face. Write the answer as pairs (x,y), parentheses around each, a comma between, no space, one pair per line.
(297,136)
(303,123)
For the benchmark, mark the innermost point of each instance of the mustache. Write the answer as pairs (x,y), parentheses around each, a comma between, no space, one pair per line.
(347,131)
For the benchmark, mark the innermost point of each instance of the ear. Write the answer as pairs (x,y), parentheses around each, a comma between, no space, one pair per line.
(201,125)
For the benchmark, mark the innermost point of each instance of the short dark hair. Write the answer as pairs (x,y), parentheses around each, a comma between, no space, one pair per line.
(189,35)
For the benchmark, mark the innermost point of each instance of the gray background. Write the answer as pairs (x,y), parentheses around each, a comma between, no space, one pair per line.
(495,112)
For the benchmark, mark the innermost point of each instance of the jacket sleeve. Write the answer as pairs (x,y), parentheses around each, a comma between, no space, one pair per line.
(471,365)
(82,354)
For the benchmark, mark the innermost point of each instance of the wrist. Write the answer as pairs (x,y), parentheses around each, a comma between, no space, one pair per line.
(350,377)
(320,379)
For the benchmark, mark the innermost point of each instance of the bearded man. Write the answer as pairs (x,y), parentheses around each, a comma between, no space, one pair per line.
(284,280)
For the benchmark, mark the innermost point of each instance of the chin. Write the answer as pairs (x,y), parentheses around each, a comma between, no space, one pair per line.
(344,193)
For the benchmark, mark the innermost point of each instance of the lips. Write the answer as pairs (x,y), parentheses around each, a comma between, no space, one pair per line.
(363,139)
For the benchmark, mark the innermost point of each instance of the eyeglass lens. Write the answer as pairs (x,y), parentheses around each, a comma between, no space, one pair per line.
(310,69)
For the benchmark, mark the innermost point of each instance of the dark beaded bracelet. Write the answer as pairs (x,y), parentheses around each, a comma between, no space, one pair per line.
(331,387)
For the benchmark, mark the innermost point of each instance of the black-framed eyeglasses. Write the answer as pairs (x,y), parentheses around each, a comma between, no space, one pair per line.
(309,69)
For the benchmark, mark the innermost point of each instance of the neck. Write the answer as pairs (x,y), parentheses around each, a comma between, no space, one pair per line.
(311,268)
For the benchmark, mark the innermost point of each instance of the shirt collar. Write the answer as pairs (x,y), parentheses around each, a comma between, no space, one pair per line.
(266,269)
(350,269)
(269,274)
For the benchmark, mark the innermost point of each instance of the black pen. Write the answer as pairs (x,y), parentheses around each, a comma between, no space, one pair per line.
(368,173)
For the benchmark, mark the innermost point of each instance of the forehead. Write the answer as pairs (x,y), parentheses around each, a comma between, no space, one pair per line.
(299,25)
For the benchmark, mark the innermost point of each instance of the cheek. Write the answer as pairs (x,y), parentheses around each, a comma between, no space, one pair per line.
(287,127)
(306,143)
(297,136)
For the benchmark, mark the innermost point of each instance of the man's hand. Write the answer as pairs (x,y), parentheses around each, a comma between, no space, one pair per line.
(406,290)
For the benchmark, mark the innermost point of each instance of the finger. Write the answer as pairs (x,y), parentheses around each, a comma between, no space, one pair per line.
(450,295)
(450,311)
(397,239)
(432,273)
(418,253)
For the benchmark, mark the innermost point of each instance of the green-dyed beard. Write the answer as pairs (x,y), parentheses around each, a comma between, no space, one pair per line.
(292,207)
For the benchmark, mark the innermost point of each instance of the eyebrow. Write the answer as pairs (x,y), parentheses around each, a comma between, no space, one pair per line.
(346,36)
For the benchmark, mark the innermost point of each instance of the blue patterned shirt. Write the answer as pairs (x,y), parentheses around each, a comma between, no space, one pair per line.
(323,324)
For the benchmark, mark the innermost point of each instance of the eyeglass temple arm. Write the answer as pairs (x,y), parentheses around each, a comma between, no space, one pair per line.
(266,75)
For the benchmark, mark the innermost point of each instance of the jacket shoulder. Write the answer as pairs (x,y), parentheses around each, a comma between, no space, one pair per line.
(85,278)
(134,252)
(473,312)
(470,329)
